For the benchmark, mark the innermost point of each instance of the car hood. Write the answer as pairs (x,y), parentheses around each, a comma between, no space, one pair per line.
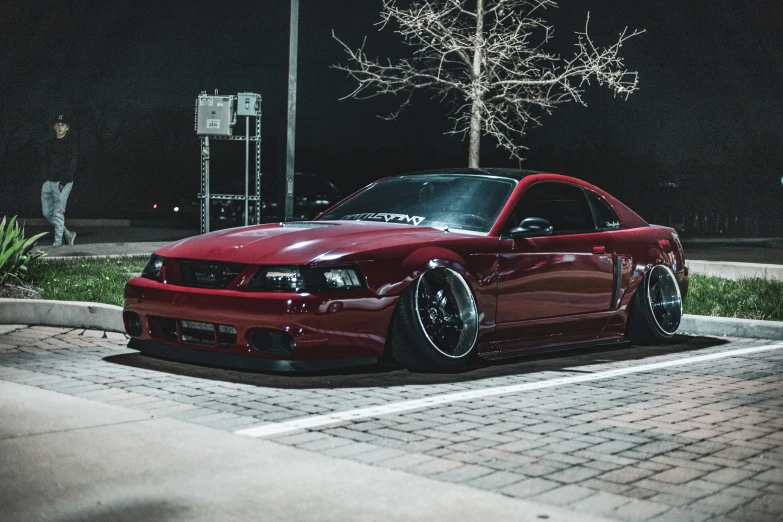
(299,243)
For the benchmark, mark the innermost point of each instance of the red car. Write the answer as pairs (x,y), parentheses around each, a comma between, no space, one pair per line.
(431,268)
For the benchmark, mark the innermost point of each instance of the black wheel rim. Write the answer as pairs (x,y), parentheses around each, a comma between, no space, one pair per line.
(447,312)
(663,297)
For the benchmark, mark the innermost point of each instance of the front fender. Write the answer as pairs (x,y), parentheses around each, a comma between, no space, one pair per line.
(428,258)
(391,277)
(423,257)
(482,284)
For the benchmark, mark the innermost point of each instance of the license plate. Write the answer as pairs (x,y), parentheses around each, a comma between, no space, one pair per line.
(194,325)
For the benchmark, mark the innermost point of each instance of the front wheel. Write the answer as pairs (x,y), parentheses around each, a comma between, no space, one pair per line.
(656,308)
(435,325)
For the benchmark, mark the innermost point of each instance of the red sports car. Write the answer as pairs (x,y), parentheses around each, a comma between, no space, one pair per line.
(430,268)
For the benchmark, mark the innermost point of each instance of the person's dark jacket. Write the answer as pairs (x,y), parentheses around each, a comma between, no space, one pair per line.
(59,160)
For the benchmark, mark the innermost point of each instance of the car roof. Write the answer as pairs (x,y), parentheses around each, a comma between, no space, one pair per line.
(516,174)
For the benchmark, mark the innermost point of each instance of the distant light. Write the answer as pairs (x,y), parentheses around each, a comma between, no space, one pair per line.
(176,209)
(155,205)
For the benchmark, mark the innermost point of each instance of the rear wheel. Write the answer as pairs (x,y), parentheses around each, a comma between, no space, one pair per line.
(656,308)
(435,325)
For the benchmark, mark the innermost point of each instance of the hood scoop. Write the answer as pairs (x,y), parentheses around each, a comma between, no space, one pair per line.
(305,225)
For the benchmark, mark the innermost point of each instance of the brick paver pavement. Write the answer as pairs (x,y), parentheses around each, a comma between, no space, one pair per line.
(701,441)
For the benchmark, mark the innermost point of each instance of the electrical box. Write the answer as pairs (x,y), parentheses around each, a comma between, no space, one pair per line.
(248,104)
(215,115)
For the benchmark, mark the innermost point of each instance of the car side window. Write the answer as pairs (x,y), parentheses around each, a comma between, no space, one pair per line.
(564,206)
(605,217)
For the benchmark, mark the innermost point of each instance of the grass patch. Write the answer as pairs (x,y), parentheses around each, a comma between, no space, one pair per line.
(92,280)
(745,298)
(103,281)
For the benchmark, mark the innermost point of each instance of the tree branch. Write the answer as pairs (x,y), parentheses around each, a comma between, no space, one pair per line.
(515,80)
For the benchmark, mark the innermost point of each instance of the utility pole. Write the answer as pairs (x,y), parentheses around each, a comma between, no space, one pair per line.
(291,134)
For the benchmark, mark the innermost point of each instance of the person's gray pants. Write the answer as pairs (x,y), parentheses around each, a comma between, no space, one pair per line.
(53,207)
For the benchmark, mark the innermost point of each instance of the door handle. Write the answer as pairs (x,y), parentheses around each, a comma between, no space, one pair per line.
(598,249)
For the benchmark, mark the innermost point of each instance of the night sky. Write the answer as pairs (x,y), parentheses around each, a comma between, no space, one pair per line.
(708,110)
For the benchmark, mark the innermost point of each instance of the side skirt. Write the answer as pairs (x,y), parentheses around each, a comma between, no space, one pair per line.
(558,348)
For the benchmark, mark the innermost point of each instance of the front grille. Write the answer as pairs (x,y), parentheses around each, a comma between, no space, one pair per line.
(192,332)
(207,274)
(305,224)
(198,333)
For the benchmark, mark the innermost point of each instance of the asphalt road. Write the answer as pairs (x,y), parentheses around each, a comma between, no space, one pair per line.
(734,253)
(120,239)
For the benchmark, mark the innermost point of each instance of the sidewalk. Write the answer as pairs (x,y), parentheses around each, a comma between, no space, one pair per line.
(67,458)
(111,240)
(105,237)
(710,256)
(143,248)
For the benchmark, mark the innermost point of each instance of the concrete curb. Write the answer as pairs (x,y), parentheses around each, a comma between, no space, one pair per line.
(729,240)
(735,271)
(71,314)
(731,327)
(97,250)
(98,316)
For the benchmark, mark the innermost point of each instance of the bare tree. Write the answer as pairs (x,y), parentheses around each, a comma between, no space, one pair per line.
(487,58)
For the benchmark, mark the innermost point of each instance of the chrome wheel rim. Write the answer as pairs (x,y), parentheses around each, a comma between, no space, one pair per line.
(446,312)
(664,299)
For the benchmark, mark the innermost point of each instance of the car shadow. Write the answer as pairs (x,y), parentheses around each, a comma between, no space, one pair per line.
(567,362)
(112,510)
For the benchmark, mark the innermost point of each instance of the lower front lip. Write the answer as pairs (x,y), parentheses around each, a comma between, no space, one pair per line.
(239,362)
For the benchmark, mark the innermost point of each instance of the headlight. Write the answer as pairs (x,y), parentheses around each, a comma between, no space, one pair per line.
(152,268)
(307,279)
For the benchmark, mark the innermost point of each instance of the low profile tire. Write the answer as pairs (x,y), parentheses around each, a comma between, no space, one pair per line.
(435,325)
(656,308)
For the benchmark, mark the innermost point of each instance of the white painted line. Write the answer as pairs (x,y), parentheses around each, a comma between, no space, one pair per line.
(317,421)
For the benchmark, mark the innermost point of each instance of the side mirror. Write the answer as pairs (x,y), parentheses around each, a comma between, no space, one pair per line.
(532,227)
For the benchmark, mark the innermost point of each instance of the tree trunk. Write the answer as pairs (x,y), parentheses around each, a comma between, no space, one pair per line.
(475,136)
(477,92)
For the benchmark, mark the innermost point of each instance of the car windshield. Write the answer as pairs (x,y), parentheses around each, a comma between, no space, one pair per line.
(458,201)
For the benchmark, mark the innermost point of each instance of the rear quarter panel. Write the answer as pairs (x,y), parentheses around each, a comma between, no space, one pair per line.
(646,247)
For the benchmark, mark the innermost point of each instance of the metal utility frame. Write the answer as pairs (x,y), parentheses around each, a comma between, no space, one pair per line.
(219,127)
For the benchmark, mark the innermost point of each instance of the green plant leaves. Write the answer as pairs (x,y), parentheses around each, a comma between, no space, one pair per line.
(16,250)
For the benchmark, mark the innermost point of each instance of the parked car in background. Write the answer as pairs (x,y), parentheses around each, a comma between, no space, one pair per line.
(169,210)
(312,195)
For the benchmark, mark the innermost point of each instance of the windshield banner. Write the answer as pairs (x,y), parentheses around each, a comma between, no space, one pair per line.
(387,217)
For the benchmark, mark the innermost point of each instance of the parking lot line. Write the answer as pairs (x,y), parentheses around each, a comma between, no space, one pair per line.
(317,421)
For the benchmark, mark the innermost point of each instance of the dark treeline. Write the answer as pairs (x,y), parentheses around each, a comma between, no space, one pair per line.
(123,168)
(700,145)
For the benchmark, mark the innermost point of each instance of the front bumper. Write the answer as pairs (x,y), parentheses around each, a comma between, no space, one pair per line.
(328,329)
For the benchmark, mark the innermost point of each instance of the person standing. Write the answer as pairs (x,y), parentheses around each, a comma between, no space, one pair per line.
(59,166)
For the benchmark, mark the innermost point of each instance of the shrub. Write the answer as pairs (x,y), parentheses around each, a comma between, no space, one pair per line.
(15,251)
